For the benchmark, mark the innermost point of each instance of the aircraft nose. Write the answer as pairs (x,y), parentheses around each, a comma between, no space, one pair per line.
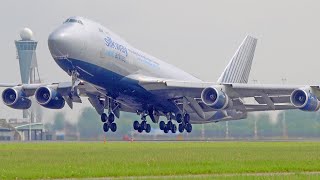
(57,38)
(65,42)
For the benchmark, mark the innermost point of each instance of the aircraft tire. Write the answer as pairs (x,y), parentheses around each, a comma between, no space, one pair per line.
(111,118)
(186,118)
(166,130)
(181,128)
(105,127)
(148,129)
(179,118)
(104,117)
(143,125)
(174,128)
(189,128)
(169,125)
(140,129)
(162,124)
(113,127)
(136,125)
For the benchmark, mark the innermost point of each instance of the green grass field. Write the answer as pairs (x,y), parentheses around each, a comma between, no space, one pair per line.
(123,159)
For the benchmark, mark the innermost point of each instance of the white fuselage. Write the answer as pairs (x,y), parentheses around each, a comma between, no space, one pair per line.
(103,59)
(92,43)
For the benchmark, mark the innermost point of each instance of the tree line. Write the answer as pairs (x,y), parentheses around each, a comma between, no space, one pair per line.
(298,124)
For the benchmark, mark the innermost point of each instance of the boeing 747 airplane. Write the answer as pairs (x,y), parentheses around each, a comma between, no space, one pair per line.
(117,77)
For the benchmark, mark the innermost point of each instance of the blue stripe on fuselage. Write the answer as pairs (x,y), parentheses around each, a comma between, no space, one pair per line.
(114,83)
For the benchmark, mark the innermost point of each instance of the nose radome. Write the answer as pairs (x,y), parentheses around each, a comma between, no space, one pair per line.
(59,42)
(57,37)
(65,42)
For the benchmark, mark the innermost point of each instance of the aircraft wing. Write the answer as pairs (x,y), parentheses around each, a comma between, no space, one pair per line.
(62,87)
(231,94)
(83,89)
(95,94)
(194,89)
(245,97)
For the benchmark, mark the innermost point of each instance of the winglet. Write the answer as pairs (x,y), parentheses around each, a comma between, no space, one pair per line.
(238,69)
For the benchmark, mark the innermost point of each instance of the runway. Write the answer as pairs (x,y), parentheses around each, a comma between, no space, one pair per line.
(198,176)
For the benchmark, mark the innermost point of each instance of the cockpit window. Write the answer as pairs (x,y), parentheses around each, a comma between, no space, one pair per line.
(73,21)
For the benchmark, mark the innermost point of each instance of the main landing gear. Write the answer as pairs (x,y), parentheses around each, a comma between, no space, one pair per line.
(184,124)
(108,122)
(143,126)
(168,127)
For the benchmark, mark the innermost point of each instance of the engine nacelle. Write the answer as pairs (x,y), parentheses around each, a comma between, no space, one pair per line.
(305,100)
(215,98)
(49,98)
(16,98)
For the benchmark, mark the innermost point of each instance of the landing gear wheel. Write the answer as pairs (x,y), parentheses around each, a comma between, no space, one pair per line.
(188,128)
(113,127)
(143,125)
(105,127)
(140,130)
(162,125)
(181,128)
(186,118)
(148,129)
(174,128)
(166,130)
(104,117)
(111,118)
(179,118)
(136,125)
(169,125)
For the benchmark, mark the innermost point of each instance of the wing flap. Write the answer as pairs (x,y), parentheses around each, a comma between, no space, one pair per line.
(264,107)
(194,89)
(274,99)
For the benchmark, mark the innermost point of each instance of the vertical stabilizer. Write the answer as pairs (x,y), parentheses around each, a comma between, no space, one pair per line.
(238,69)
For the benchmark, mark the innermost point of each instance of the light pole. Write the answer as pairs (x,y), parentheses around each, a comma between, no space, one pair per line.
(255,129)
(227,129)
(202,132)
(255,119)
(284,125)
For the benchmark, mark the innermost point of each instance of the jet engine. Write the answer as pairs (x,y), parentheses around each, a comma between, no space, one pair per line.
(304,100)
(16,98)
(215,98)
(49,98)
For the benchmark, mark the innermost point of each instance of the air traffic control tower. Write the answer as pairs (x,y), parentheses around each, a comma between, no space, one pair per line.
(26,53)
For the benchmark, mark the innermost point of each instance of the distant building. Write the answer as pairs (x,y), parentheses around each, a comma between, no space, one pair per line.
(18,130)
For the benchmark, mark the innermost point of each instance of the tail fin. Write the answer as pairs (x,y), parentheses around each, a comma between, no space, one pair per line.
(238,69)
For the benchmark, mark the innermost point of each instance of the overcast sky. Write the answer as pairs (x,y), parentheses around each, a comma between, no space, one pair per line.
(198,36)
